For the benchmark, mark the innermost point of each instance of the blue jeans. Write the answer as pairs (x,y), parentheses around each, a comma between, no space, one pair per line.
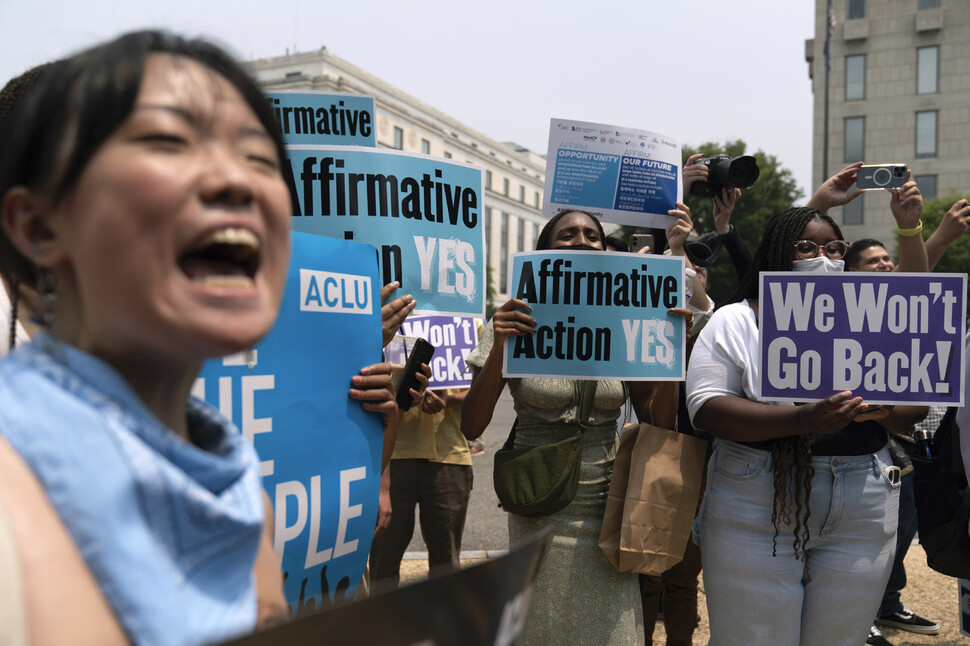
(756,598)
(904,538)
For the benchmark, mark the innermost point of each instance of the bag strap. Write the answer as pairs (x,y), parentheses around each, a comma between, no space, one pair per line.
(586,396)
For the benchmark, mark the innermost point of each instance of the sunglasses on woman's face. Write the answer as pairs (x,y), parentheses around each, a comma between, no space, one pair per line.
(805,249)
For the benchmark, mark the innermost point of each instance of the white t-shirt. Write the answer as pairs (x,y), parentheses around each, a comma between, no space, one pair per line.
(724,361)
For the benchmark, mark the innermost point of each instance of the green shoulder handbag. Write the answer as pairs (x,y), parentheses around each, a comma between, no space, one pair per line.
(541,480)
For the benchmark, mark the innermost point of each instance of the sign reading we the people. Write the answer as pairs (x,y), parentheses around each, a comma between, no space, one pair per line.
(324,118)
(890,338)
(618,174)
(320,451)
(422,213)
(598,316)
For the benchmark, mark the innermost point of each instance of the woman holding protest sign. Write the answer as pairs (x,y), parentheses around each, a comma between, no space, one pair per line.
(141,192)
(798,521)
(579,597)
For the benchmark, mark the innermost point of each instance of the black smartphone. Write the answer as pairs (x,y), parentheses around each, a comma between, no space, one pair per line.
(640,240)
(876,176)
(420,353)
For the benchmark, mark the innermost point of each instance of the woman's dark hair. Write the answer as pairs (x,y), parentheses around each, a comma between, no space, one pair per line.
(543,241)
(616,241)
(56,128)
(791,456)
(13,93)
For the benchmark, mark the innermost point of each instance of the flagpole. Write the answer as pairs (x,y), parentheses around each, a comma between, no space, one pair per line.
(829,26)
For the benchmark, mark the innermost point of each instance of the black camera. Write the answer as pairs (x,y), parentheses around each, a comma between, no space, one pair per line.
(726,172)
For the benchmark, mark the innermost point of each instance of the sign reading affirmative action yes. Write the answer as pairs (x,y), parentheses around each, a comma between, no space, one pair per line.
(598,316)
(890,338)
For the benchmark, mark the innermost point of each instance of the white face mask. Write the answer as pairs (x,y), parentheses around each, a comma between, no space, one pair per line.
(821,264)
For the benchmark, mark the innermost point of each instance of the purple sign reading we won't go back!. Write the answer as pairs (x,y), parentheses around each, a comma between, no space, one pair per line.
(890,338)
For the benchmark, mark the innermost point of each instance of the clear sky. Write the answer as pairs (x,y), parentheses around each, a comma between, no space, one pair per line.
(697,70)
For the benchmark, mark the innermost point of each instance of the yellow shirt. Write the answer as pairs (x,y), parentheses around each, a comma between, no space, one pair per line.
(436,438)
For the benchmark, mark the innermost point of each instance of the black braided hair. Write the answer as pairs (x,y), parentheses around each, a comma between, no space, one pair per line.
(791,457)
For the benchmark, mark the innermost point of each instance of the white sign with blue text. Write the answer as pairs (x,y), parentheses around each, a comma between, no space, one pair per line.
(422,213)
(618,174)
(320,451)
(599,316)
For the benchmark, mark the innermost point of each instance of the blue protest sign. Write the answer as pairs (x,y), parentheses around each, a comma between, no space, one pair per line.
(320,451)
(453,337)
(422,213)
(324,118)
(598,316)
(618,174)
(890,338)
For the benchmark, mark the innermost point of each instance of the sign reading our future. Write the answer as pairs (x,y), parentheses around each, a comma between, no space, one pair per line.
(422,213)
(619,174)
(320,451)
(889,338)
(598,316)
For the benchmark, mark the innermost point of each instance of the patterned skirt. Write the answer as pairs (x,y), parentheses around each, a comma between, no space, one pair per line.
(579,597)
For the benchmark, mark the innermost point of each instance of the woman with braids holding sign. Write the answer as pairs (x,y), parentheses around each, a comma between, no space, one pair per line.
(798,523)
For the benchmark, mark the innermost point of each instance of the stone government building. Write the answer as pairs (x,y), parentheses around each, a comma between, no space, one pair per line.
(899,91)
(513,177)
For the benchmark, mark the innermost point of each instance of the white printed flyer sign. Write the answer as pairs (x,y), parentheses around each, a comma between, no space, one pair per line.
(620,175)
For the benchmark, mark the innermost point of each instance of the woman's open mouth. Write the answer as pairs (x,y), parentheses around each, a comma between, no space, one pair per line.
(224,258)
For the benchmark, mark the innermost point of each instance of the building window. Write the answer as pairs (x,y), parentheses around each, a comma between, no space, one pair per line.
(521,235)
(856,9)
(927,70)
(522,194)
(927,186)
(535,234)
(928,4)
(505,187)
(447,155)
(537,199)
(426,146)
(926,134)
(503,260)
(852,213)
(488,226)
(855,77)
(855,139)
(398,138)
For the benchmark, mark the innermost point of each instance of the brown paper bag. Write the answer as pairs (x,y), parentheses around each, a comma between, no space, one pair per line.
(652,500)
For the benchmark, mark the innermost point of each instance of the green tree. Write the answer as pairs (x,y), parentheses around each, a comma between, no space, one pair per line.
(774,191)
(956,259)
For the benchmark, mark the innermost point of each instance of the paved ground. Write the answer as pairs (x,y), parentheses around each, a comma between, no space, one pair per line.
(927,593)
